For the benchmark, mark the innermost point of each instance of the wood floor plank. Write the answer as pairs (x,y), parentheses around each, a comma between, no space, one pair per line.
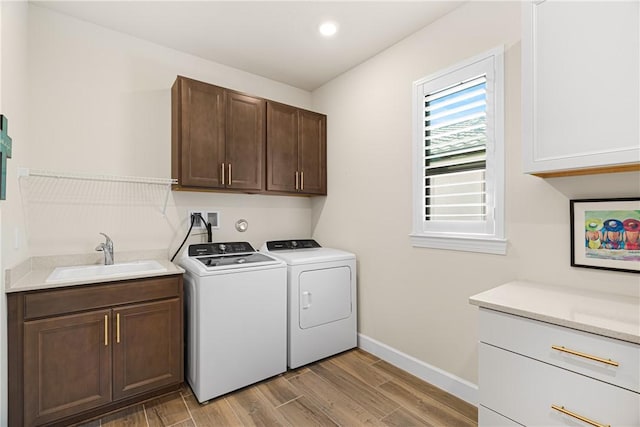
(360,367)
(303,412)
(333,402)
(166,410)
(295,372)
(278,391)
(416,383)
(368,397)
(337,391)
(187,423)
(93,423)
(364,356)
(132,416)
(424,406)
(215,413)
(253,409)
(404,418)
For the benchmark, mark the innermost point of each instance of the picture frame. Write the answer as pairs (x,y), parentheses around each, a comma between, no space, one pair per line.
(605,234)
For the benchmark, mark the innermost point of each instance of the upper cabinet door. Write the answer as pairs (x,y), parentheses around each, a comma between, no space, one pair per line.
(312,139)
(245,142)
(282,148)
(198,133)
(581,86)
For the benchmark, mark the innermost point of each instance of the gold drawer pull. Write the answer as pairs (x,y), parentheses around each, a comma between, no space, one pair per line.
(106,330)
(302,180)
(579,417)
(229,182)
(586,356)
(297,180)
(118,328)
(223,172)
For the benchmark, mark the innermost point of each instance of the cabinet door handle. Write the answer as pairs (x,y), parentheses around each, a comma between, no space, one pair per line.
(578,416)
(229,182)
(118,328)
(302,180)
(222,174)
(297,180)
(106,330)
(586,356)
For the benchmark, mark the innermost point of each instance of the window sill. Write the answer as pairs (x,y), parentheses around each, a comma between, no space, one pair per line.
(460,243)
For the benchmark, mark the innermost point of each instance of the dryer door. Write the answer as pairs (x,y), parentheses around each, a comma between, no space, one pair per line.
(324,296)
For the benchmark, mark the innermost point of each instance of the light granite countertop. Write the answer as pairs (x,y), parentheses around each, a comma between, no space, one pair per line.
(32,273)
(614,316)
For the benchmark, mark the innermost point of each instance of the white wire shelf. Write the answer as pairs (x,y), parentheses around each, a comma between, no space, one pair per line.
(25,172)
(167,182)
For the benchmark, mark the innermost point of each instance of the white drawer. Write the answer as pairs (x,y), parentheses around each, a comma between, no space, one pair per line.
(488,418)
(524,390)
(534,339)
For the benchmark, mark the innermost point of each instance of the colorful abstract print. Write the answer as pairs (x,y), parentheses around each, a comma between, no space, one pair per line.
(612,235)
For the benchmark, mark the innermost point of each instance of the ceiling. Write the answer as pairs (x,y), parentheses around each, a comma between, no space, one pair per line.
(278,40)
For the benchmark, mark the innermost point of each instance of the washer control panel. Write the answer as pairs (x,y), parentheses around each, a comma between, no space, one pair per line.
(287,245)
(224,248)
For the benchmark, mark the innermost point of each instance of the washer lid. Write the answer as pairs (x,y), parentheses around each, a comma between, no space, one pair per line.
(309,256)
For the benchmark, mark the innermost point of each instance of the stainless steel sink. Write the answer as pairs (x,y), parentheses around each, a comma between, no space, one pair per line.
(92,272)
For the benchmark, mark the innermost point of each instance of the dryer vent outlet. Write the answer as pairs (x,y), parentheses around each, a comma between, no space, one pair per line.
(213,217)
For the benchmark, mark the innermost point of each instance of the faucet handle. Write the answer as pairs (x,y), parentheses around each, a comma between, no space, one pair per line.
(106,237)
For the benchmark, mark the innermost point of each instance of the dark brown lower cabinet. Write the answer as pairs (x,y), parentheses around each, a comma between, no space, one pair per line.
(145,355)
(67,366)
(114,344)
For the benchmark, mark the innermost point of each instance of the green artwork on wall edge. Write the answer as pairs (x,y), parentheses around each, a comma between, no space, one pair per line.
(5,153)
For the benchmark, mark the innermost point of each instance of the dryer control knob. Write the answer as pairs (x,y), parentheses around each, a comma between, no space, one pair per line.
(294,244)
(222,247)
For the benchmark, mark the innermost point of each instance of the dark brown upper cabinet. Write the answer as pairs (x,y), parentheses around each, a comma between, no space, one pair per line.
(296,150)
(218,137)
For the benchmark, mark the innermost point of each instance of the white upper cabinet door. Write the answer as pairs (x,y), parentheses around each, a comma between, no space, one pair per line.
(581,85)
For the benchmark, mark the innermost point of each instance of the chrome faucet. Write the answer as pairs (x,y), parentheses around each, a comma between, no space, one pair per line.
(107,248)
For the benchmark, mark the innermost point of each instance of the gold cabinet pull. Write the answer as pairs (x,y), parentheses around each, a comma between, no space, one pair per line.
(586,356)
(106,330)
(302,180)
(118,328)
(223,172)
(297,180)
(577,416)
(229,182)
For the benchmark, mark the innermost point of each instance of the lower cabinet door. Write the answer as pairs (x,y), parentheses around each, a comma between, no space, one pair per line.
(534,393)
(67,365)
(147,347)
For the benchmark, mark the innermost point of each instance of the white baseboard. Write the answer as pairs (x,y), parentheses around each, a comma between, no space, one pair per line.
(448,382)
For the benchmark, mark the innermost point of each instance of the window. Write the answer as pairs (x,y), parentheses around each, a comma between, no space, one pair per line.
(459,157)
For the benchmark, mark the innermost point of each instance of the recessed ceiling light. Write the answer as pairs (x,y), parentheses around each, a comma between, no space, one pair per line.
(328,29)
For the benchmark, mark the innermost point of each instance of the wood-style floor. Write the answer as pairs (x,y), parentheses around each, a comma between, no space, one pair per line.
(351,389)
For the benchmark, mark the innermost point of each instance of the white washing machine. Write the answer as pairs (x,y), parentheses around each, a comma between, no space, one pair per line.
(236,321)
(321,298)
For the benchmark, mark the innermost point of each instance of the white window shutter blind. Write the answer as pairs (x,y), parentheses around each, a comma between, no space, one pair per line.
(455,144)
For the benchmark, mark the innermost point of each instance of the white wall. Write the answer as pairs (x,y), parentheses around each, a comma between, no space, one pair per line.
(100,103)
(415,299)
(13,94)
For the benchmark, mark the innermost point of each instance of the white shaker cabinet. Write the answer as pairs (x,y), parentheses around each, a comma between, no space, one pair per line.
(523,378)
(581,86)
(557,356)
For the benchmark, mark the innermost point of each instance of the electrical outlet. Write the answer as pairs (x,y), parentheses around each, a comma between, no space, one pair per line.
(197,222)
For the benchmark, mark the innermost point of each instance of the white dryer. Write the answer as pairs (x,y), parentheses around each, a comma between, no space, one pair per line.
(321,299)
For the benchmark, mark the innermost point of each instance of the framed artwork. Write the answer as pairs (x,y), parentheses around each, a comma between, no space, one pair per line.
(605,234)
